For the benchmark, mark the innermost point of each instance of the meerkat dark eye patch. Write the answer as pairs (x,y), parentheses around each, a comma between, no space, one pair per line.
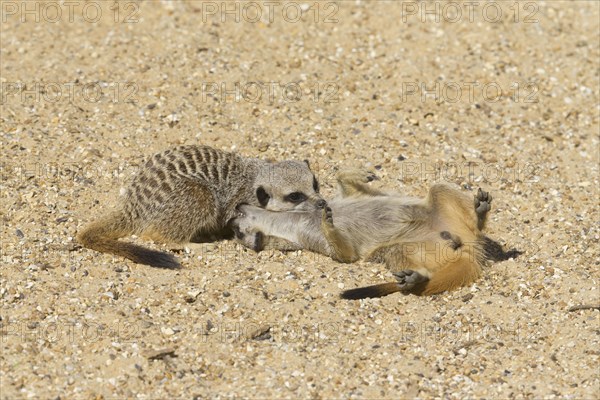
(315,184)
(262,196)
(295,197)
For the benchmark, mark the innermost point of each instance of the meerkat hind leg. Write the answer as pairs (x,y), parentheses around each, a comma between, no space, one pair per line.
(191,213)
(454,275)
(408,279)
(394,256)
(483,204)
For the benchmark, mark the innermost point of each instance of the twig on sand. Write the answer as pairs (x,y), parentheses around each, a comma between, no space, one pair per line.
(160,354)
(585,307)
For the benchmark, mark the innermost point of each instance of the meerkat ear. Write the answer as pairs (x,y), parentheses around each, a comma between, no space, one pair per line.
(307,163)
(315,184)
(262,196)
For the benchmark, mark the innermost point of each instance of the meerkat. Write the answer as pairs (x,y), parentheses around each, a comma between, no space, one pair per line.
(190,193)
(431,245)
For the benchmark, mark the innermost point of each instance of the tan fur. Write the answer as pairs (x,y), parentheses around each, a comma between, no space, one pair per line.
(190,193)
(432,245)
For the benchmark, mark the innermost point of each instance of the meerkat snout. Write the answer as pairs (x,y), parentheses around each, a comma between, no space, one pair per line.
(321,204)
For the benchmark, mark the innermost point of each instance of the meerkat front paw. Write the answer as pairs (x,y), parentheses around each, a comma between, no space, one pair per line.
(357,175)
(327,216)
(370,176)
(408,279)
(248,238)
(243,223)
(245,231)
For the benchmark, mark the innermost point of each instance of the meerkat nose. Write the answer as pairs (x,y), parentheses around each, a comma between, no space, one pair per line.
(321,203)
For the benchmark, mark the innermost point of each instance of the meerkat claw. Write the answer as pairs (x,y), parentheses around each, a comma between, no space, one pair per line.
(328,215)
(372,177)
(258,242)
(482,202)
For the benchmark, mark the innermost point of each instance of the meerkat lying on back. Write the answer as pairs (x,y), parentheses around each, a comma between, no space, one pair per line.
(431,245)
(190,193)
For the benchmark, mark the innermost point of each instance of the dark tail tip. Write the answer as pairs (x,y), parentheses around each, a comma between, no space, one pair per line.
(166,261)
(370,291)
(146,256)
(355,294)
(159,259)
(494,251)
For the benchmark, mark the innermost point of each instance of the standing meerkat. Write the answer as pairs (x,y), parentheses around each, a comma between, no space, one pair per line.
(190,193)
(431,245)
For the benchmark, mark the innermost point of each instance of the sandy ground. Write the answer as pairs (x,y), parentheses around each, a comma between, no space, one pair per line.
(509,103)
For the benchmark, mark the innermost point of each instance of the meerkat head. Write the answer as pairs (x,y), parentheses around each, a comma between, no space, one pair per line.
(288,186)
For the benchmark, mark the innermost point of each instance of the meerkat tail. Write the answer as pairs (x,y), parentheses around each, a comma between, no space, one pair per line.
(102,236)
(380,290)
(456,274)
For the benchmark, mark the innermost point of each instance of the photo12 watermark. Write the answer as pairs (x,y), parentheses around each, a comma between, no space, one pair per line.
(253,12)
(67,11)
(468,11)
(273,331)
(453,333)
(78,172)
(270,92)
(70,92)
(471,172)
(456,172)
(469,92)
(93,173)
(69,332)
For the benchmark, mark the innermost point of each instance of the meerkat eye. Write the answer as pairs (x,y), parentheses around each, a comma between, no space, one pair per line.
(315,184)
(295,197)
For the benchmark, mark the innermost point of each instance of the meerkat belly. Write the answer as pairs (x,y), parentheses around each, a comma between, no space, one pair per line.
(370,222)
